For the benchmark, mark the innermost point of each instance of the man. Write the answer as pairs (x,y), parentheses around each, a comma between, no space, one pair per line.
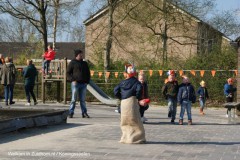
(48,56)
(170,91)
(78,74)
(30,73)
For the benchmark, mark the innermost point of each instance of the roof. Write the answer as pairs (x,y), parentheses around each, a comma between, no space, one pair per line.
(63,49)
(104,10)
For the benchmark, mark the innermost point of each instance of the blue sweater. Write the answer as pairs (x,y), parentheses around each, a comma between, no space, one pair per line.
(229,89)
(127,88)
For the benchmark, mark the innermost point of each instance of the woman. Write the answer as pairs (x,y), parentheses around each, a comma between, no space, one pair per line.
(8,78)
(129,91)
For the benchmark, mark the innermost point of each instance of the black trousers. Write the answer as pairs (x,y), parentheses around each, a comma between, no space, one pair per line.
(28,91)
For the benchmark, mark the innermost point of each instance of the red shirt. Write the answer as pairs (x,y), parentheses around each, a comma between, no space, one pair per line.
(50,54)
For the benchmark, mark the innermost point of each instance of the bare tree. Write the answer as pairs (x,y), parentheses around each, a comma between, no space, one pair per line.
(226,22)
(26,10)
(61,8)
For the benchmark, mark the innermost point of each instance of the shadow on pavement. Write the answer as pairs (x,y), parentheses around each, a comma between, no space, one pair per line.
(194,143)
(29,132)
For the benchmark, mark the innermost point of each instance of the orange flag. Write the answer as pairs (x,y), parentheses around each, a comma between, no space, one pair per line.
(99,74)
(92,73)
(236,72)
(193,72)
(116,74)
(202,73)
(150,72)
(160,72)
(180,72)
(107,74)
(213,73)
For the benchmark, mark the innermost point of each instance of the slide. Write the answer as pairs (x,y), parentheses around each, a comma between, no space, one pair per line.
(100,95)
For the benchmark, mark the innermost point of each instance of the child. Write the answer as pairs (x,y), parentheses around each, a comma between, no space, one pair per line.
(186,96)
(143,105)
(170,91)
(229,90)
(203,96)
(129,91)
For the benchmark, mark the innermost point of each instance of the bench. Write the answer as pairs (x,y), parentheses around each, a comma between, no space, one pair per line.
(232,106)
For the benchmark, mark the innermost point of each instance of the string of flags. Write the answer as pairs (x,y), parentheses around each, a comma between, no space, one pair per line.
(160,72)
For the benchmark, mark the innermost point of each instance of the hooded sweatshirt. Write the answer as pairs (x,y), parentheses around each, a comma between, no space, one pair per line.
(128,88)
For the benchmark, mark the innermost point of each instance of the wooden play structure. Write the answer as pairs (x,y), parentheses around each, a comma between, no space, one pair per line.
(56,74)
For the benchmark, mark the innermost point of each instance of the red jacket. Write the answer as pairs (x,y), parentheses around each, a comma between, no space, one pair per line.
(50,54)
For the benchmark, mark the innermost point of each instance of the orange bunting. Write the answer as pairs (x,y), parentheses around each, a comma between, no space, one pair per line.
(99,74)
(236,72)
(160,72)
(213,72)
(150,73)
(193,72)
(92,73)
(202,73)
(180,72)
(107,74)
(116,74)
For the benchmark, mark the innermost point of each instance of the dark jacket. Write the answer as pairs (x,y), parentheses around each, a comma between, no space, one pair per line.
(8,74)
(30,73)
(186,93)
(144,91)
(202,92)
(78,71)
(128,88)
(170,90)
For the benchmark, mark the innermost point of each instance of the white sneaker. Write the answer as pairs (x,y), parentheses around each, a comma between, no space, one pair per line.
(142,119)
(227,115)
(28,104)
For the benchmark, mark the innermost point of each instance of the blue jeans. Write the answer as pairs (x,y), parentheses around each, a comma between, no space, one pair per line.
(172,105)
(45,66)
(188,106)
(78,89)
(8,93)
(202,102)
(28,91)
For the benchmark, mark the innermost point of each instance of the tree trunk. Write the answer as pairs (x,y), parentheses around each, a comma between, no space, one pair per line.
(56,7)
(109,38)
(43,23)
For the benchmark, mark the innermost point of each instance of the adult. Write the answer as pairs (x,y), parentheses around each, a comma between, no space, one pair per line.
(47,56)
(170,91)
(8,79)
(78,74)
(129,91)
(229,91)
(29,74)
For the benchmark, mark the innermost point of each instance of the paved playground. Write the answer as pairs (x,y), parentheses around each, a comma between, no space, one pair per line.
(209,138)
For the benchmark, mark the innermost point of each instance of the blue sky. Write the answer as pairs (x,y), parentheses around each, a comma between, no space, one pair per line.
(228,4)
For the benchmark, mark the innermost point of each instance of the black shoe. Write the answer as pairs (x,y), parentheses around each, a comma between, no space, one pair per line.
(172,121)
(11,102)
(169,114)
(87,115)
(6,103)
(83,115)
(70,116)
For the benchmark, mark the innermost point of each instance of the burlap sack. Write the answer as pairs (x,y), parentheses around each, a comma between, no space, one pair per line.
(131,125)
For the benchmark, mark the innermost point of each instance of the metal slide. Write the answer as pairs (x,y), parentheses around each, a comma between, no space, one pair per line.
(100,95)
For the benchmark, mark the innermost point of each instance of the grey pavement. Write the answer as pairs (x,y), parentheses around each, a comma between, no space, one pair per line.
(209,138)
